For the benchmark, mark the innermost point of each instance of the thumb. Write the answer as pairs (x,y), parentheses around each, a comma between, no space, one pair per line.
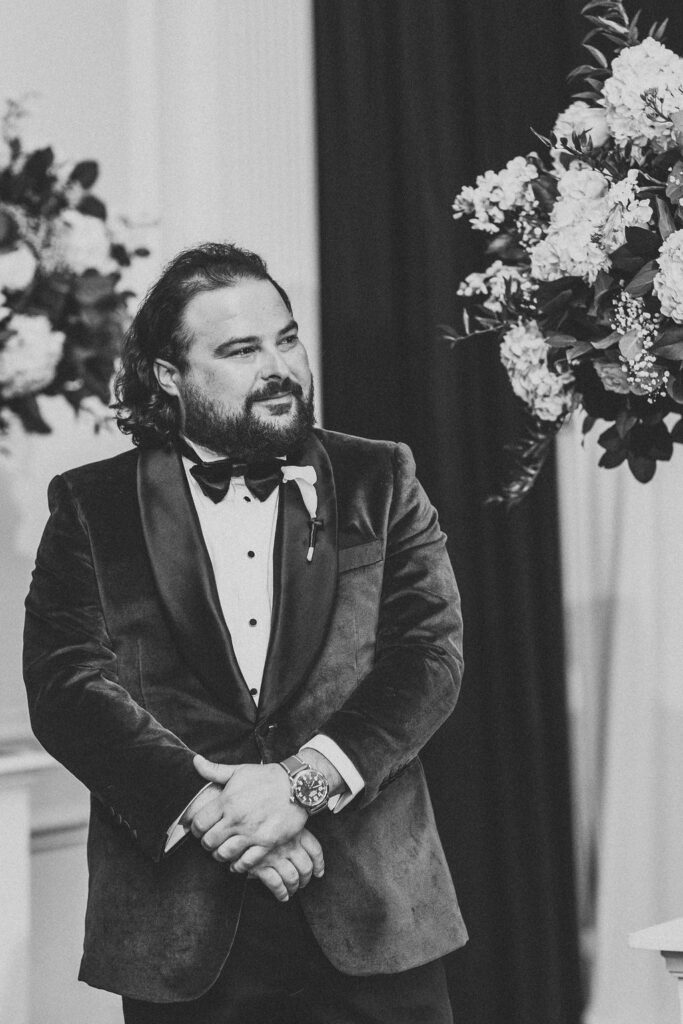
(212,772)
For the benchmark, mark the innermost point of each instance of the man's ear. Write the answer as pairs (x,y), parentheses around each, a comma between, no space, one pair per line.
(168,376)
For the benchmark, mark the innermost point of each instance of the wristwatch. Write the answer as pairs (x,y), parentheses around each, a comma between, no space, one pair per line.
(308,787)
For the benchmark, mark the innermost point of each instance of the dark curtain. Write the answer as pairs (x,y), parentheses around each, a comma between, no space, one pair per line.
(415,97)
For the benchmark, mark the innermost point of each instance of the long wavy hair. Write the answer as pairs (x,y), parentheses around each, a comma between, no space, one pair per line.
(143,409)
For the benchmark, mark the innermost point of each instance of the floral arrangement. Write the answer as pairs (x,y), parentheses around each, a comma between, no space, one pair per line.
(584,291)
(63,308)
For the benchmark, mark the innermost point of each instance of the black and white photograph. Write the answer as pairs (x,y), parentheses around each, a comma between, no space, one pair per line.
(341,492)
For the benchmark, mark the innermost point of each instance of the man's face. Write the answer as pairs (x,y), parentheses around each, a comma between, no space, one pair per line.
(246,389)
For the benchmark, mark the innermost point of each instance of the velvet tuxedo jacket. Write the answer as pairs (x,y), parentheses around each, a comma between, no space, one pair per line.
(130,670)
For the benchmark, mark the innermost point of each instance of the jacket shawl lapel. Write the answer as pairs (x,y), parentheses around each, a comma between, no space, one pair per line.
(304,592)
(185,580)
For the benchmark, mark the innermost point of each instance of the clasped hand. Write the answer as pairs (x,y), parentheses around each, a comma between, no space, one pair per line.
(252,824)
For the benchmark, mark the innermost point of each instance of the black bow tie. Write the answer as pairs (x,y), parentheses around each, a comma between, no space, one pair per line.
(261,477)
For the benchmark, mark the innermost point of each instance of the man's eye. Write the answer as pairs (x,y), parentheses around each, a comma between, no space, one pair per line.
(245,350)
(290,340)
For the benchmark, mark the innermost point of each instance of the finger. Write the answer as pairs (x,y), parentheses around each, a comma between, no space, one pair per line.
(303,866)
(219,834)
(249,860)
(314,851)
(205,818)
(288,873)
(213,772)
(272,880)
(227,852)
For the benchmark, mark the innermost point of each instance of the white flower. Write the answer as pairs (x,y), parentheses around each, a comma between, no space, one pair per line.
(625,211)
(571,247)
(578,118)
(668,283)
(496,283)
(79,242)
(570,251)
(17,269)
(29,357)
(496,193)
(582,184)
(524,354)
(650,67)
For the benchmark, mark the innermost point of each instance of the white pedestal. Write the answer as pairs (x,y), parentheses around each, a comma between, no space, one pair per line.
(668,940)
(18,762)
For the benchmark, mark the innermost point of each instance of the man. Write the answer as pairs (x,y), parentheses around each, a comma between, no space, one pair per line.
(239,635)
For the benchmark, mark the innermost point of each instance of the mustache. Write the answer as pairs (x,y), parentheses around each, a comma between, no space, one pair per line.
(275,388)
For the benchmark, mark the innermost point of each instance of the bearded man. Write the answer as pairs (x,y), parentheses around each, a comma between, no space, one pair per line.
(239,636)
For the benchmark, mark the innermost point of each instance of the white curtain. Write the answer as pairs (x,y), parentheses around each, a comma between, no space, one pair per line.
(622,556)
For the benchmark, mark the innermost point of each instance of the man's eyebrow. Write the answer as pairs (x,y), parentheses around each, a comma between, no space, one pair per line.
(291,326)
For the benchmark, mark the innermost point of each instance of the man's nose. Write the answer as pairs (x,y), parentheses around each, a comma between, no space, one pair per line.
(273,363)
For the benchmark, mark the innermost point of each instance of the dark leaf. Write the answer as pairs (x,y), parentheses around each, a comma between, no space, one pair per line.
(85,173)
(641,284)
(643,242)
(677,432)
(93,207)
(588,424)
(642,468)
(120,254)
(665,221)
(525,458)
(673,351)
(610,460)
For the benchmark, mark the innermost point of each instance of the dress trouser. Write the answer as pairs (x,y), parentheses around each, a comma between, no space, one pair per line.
(276,974)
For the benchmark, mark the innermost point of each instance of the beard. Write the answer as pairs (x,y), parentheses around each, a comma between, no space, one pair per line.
(244,435)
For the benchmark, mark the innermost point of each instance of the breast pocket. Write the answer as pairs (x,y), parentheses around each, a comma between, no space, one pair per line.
(368,553)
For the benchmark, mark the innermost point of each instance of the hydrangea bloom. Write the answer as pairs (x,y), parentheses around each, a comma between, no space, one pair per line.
(29,357)
(577,118)
(496,282)
(571,247)
(17,269)
(524,354)
(648,68)
(625,211)
(668,283)
(79,243)
(494,194)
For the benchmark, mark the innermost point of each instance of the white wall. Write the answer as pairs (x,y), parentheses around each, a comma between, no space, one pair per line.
(201,115)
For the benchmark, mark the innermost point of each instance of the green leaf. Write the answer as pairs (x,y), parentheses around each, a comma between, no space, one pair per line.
(630,344)
(85,173)
(560,340)
(610,460)
(578,350)
(674,351)
(642,467)
(93,207)
(665,221)
(642,282)
(643,242)
(624,422)
(606,342)
(597,55)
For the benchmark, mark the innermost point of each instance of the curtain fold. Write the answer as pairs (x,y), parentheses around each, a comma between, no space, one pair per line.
(414,100)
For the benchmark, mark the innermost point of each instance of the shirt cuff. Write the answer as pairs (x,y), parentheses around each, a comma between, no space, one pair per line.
(346,768)
(177,831)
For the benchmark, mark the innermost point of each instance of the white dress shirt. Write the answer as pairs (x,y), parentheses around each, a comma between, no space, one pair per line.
(239,533)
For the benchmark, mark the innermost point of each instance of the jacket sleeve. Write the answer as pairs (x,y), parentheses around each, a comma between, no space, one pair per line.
(415,680)
(140,771)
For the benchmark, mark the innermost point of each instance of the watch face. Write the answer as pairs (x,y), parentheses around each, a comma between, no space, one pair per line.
(310,787)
